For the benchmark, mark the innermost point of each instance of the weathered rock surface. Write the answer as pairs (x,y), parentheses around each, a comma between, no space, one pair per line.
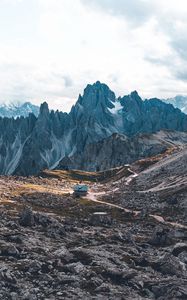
(118,150)
(56,247)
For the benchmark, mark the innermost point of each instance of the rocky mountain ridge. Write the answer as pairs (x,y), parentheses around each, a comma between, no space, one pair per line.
(29,145)
(179,101)
(118,150)
(18,110)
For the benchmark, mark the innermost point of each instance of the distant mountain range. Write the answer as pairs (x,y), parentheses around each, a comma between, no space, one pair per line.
(178,102)
(31,144)
(18,110)
(24,109)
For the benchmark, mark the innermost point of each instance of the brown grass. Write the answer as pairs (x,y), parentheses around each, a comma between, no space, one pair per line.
(147,162)
(75,176)
(30,188)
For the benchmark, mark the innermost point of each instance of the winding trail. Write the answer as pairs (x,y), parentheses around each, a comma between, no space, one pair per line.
(92,196)
(131,177)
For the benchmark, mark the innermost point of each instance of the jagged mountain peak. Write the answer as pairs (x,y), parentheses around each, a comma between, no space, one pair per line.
(43,142)
(132,103)
(44,109)
(96,86)
(132,97)
(134,94)
(97,94)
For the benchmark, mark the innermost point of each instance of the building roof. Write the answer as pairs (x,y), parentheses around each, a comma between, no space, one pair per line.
(80,188)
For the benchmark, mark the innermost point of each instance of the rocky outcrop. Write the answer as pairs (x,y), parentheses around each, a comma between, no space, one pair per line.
(150,115)
(47,143)
(91,119)
(118,150)
(14,135)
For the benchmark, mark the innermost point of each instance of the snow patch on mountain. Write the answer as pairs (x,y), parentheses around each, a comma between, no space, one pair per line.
(117,107)
(16,110)
(178,102)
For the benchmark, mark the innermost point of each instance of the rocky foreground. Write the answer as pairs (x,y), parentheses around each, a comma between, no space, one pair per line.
(54,246)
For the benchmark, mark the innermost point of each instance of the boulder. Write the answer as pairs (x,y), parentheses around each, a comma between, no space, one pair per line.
(27,217)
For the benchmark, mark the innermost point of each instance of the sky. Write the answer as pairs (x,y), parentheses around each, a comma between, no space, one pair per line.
(51,49)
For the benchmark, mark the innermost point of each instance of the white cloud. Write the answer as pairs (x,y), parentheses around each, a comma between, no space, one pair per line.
(66,44)
(136,12)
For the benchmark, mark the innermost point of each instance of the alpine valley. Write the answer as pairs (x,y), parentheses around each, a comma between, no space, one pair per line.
(126,237)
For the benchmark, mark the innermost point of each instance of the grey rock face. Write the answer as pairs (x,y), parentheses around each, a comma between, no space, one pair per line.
(29,145)
(150,115)
(47,143)
(91,119)
(13,136)
(119,149)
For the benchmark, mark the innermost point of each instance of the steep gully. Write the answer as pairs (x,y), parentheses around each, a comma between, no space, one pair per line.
(92,196)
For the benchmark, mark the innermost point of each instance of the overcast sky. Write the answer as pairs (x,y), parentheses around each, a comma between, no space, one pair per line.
(51,49)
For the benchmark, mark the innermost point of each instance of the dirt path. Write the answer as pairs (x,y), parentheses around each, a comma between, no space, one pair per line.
(131,177)
(93,196)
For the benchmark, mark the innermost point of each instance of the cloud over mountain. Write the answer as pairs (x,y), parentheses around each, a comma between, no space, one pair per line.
(50,49)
